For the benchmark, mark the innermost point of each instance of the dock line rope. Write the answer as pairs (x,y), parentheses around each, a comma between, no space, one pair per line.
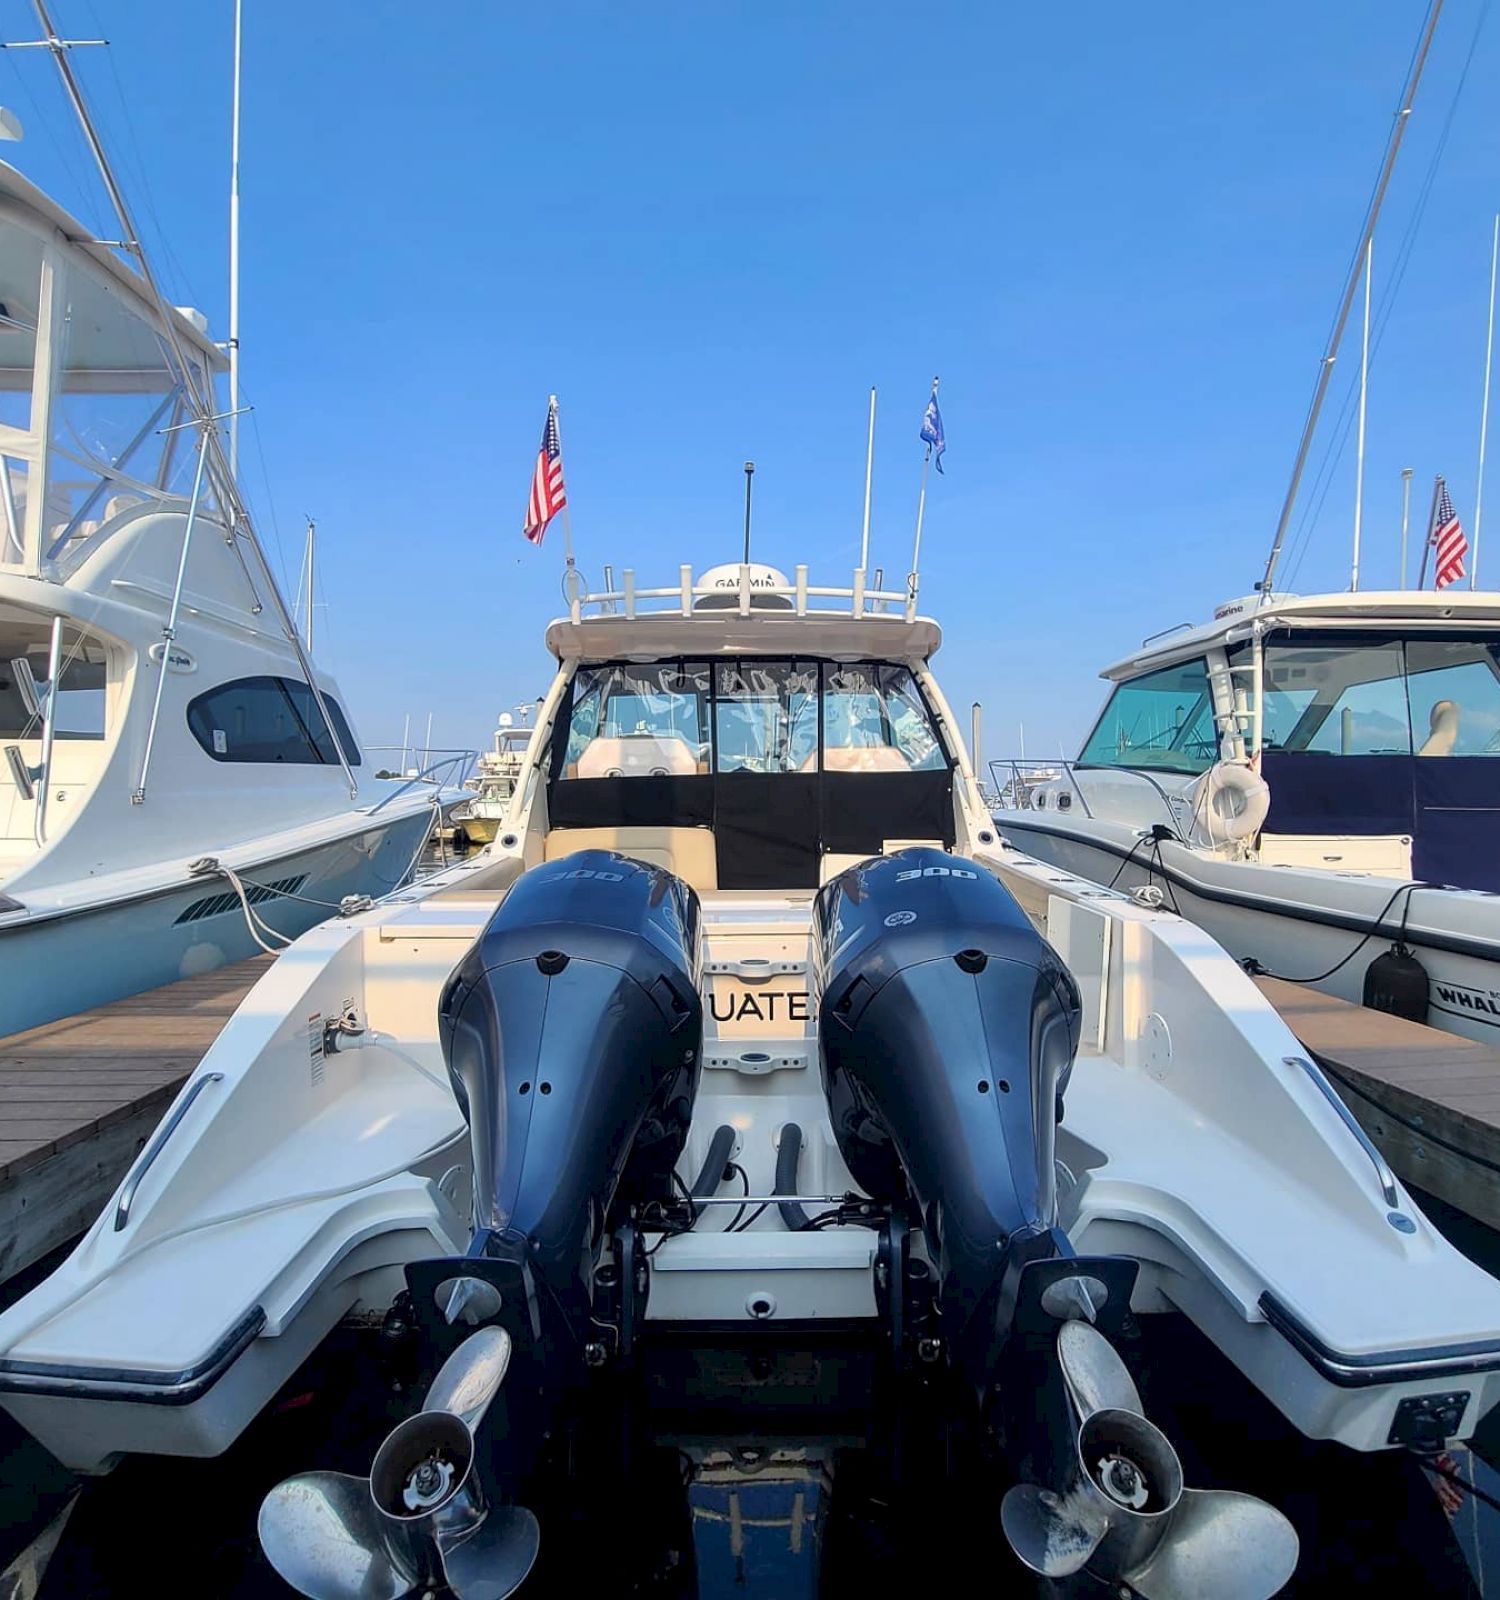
(1256,969)
(260,930)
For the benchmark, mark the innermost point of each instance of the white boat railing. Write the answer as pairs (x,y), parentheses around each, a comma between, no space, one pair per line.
(449,771)
(1015,791)
(860,599)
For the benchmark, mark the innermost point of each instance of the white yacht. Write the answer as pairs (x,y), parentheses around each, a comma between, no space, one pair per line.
(1315,780)
(178,785)
(767,1139)
(477,818)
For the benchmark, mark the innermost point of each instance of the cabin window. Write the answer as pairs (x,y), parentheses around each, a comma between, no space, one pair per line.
(78,712)
(269,721)
(1163,720)
(1454,689)
(639,721)
(683,719)
(1426,697)
(766,716)
(1336,700)
(874,720)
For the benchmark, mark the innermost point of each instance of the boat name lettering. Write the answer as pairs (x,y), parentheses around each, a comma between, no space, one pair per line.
(1469,999)
(179,660)
(760,1006)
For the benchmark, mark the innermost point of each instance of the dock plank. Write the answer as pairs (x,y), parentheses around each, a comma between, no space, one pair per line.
(79,1098)
(1429,1099)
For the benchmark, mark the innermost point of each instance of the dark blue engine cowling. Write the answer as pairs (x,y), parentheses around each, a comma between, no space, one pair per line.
(572,1032)
(948,1028)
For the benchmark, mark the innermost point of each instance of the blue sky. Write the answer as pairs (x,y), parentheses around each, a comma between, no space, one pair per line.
(1118,232)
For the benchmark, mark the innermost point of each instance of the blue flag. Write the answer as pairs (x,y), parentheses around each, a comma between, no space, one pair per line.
(932,430)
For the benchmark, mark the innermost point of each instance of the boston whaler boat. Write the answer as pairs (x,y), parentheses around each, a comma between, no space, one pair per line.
(1316,781)
(784,1181)
(177,783)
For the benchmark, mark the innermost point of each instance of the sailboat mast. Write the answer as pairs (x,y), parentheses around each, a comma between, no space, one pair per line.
(1351,287)
(312,545)
(234,268)
(1484,410)
(1364,386)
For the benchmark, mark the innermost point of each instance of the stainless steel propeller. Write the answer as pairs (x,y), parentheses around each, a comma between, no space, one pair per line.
(1126,1516)
(421,1519)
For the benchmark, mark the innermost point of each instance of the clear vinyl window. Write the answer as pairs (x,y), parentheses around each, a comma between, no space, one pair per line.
(639,721)
(875,720)
(766,716)
(680,719)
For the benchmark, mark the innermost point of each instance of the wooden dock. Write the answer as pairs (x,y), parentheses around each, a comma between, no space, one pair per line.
(1430,1100)
(80,1097)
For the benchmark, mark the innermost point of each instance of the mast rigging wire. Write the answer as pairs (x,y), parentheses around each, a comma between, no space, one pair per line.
(1300,541)
(1351,285)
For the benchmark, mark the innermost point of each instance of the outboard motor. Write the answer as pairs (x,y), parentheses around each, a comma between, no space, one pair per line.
(572,1032)
(948,1027)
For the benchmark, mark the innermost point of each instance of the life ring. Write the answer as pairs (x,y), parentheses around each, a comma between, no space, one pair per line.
(1229,804)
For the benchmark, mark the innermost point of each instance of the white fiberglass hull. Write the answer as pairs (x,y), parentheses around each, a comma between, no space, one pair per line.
(1296,923)
(64,963)
(302,1180)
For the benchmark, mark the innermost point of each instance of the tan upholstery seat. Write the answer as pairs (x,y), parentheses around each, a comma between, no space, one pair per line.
(689,852)
(859,758)
(637,755)
(1442,722)
(833,864)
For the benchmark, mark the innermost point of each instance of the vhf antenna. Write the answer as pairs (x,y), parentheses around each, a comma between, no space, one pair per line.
(749,478)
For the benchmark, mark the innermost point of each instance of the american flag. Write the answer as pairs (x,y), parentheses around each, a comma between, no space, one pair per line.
(1448,539)
(548,496)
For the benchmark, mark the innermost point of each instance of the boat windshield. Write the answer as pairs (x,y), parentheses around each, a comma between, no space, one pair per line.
(1163,721)
(1417,696)
(748,716)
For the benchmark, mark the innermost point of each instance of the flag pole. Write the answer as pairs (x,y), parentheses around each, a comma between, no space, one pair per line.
(1405,517)
(1484,411)
(567,515)
(1364,385)
(864,543)
(916,549)
(1437,489)
(234,262)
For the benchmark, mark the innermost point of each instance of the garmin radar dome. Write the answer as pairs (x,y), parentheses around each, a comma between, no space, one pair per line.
(765,582)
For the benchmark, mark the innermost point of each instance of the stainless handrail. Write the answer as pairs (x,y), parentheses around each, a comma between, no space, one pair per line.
(461,761)
(154,1149)
(1021,794)
(1176,627)
(1383,1173)
(1071,769)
